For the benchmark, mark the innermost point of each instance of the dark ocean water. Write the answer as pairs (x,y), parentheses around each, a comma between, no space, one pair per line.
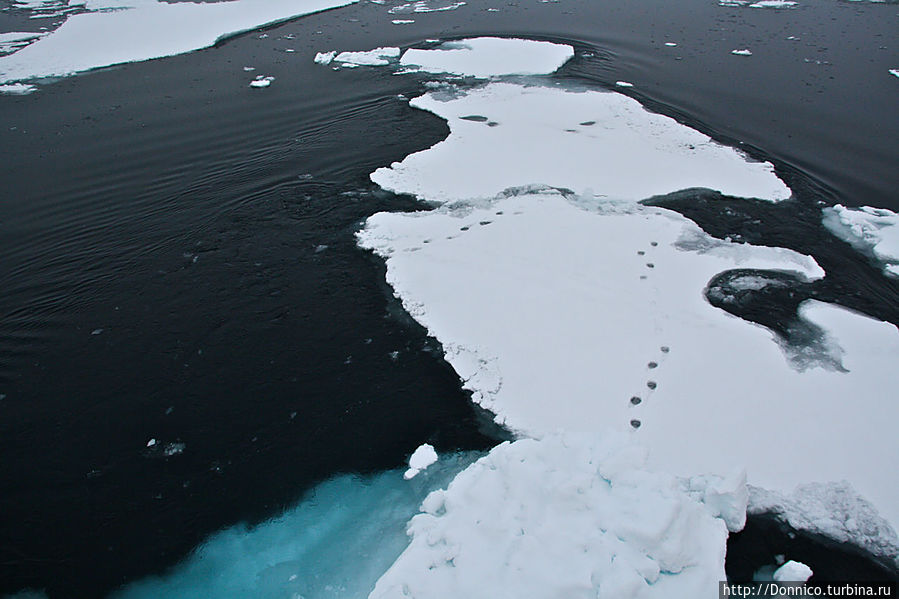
(177,260)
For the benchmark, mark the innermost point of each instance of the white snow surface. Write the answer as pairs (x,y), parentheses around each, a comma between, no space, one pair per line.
(596,140)
(574,516)
(545,316)
(557,311)
(793,571)
(135,30)
(874,231)
(487,57)
(420,459)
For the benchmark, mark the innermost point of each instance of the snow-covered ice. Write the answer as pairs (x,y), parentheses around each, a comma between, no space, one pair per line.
(873,231)
(120,31)
(420,459)
(564,305)
(743,52)
(574,516)
(486,57)
(894,72)
(596,140)
(793,571)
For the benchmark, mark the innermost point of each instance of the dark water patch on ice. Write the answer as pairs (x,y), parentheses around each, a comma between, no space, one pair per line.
(768,541)
(852,279)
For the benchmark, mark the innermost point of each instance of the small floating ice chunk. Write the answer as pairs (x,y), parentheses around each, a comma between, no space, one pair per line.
(325,57)
(261,81)
(743,52)
(793,571)
(486,57)
(248,69)
(402,21)
(423,6)
(151,443)
(17,89)
(96,331)
(873,231)
(670,44)
(773,4)
(420,459)
(624,84)
(370,58)
(894,72)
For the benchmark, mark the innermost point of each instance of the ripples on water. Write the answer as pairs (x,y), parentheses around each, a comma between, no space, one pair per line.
(177,260)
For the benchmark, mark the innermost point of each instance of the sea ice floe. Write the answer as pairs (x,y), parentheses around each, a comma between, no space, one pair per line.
(120,31)
(486,57)
(894,72)
(873,231)
(743,52)
(402,21)
(560,316)
(624,84)
(559,300)
(628,153)
(569,515)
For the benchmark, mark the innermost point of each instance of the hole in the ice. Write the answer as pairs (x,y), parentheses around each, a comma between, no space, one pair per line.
(635,423)
(651,384)
(474,117)
(642,277)
(588,123)
(485,222)
(653,243)
(492,123)
(463,228)
(636,400)
(665,349)
(641,253)
(650,265)
(652,365)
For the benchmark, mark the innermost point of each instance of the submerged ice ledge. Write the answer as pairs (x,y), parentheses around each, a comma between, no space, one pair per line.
(121,31)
